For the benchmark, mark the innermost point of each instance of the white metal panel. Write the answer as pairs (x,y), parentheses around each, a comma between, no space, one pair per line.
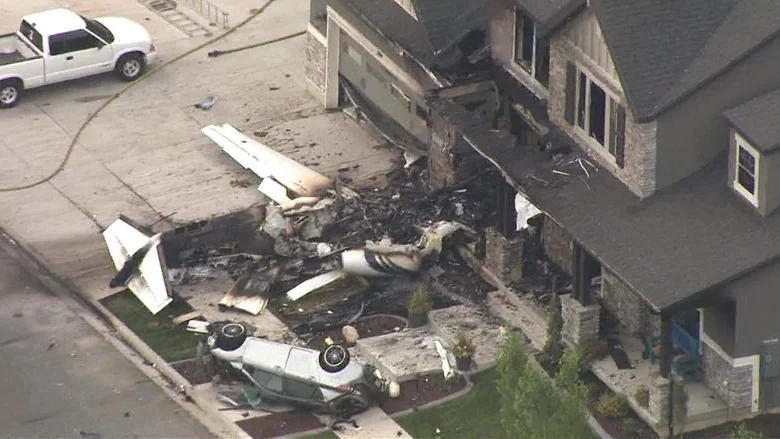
(149,283)
(265,162)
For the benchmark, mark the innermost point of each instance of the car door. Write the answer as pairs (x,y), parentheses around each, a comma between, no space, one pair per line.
(76,54)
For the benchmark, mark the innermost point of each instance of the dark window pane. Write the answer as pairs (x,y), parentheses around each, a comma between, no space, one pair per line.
(528,41)
(301,390)
(598,112)
(747,160)
(581,84)
(746,180)
(542,72)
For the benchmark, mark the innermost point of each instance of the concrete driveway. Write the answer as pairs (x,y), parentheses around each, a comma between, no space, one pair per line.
(144,155)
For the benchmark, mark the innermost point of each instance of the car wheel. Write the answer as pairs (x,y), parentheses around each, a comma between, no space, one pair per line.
(131,66)
(10,93)
(334,358)
(231,336)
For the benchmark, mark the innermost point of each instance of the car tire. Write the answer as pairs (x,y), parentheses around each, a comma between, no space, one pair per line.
(231,336)
(130,66)
(10,93)
(334,358)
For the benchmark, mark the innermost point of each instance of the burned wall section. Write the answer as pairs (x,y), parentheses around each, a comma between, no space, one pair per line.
(316,58)
(634,314)
(733,384)
(558,245)
(234,233)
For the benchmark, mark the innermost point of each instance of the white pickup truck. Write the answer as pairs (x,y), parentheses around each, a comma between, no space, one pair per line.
(59,45)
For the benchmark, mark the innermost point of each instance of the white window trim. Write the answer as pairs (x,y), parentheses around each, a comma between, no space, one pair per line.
(741,142)
(532,70)
(612,99)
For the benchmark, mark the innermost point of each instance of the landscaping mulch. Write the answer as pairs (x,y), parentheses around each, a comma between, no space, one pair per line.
(420,391)
(617,427)
(280,424)
(767,424)
(370,326)
(189,371)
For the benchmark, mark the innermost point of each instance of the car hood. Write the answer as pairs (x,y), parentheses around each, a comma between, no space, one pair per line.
(126,31)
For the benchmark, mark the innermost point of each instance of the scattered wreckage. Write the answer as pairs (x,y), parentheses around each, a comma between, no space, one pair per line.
(326,381)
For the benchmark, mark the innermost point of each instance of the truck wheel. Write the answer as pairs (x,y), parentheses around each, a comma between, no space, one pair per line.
(10,93)
(130,66)
(334,358)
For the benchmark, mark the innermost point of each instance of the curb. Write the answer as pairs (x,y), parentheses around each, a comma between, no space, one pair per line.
(127,343)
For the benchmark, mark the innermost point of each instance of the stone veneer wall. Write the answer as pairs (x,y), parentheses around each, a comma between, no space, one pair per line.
(640,138)
(580,323)
(504,257)
(314,67)
(732,384)
(558,245)
(658,403)
(626,305)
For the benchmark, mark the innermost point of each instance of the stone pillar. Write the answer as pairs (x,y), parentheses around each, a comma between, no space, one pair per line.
(314,66)
(580,323)
(659,400)
(503,256)
(442,153)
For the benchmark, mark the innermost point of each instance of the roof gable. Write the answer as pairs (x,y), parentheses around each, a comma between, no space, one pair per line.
(654,41)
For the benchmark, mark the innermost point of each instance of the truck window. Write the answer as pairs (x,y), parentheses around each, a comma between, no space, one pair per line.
(31,34)
(98,29)
(73,41)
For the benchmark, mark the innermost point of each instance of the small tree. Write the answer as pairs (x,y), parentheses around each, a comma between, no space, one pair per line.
(532,405)
(553,347)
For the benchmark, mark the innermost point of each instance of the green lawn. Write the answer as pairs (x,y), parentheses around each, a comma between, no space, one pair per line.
(171,342)
(470,416)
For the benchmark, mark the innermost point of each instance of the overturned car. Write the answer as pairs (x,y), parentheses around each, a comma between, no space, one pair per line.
(324,381)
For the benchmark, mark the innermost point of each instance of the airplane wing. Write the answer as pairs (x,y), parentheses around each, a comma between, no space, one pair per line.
(139,261)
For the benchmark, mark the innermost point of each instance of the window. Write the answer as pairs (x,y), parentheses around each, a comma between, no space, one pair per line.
(401,96)
(98,29)
(31,34)
(74,41)
(531,52)
(746,169)
(525,40)
(596,113)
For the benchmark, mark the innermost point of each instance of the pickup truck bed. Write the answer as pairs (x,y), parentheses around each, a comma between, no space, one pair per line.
(14,50)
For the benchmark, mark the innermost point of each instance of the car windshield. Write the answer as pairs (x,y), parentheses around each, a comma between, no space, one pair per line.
(98,29)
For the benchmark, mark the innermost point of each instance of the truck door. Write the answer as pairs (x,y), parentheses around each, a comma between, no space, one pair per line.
(76,54)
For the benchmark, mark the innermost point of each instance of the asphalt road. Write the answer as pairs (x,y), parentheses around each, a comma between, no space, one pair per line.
(60,378)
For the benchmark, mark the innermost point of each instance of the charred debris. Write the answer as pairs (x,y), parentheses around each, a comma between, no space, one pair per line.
(327,255)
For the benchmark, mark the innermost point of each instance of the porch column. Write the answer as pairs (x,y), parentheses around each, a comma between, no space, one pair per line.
(581,281)
(507,215)
(333,52)
(666,344)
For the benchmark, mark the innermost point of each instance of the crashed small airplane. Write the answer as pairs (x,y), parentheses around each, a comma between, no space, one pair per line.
(140,262)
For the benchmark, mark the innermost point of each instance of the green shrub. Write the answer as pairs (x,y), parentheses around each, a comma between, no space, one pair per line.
(642,396)
(419,301)
(630,428)
(613,405)
(743,432)
(463,347)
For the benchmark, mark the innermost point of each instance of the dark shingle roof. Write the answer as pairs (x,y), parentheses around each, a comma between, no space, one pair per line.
(548,13)
(687,239)
(757,120)
(439,26)
(653,42)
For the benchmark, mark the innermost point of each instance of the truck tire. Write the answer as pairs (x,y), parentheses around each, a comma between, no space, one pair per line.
(10,93)
(130,66)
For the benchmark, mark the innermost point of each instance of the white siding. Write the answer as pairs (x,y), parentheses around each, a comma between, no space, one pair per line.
(585,32)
